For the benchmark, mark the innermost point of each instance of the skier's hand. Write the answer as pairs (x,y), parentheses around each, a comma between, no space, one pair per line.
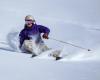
(45,36)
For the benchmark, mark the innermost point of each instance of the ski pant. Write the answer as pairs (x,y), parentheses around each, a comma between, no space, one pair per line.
(34,48)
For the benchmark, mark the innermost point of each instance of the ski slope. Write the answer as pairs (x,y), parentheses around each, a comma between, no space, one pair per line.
(76,22)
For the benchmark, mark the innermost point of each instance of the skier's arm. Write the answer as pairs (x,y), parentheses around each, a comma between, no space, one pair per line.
(43,29)
(21,38)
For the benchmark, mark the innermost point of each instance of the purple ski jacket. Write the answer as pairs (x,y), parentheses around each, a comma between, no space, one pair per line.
(35,30)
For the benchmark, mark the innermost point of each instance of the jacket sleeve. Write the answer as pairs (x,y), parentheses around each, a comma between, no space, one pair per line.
(43,29)
(21,37)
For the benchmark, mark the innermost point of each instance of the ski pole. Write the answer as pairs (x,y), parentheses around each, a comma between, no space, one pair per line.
(70,44)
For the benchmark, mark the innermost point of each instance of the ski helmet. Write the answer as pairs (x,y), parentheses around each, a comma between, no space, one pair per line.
(29,17)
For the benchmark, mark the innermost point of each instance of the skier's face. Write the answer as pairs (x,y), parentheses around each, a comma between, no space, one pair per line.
(29,23)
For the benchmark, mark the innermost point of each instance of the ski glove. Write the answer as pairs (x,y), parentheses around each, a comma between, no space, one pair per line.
(45,36)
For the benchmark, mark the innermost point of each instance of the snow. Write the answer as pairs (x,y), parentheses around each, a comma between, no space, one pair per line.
(73,21)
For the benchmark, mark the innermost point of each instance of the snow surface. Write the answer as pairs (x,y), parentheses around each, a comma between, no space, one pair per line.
(73,21)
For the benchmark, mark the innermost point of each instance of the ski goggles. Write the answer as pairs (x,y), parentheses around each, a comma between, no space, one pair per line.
(28,21)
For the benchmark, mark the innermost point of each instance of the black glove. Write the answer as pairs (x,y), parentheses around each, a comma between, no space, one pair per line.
(45,36)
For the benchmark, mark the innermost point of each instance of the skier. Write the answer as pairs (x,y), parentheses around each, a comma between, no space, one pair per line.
(30,37)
